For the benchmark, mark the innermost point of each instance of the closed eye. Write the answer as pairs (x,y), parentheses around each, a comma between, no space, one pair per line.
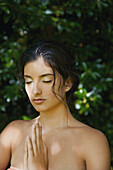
(47,81)
(28,82)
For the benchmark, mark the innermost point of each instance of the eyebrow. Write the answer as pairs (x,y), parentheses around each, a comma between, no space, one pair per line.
(43,75)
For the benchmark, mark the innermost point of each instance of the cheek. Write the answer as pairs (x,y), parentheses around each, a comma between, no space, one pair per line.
(28,91)
(58,95)
(60,90)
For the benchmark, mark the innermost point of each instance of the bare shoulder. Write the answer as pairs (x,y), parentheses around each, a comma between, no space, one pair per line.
(92,133)
(7,138)
(95,148)
(13,130)
(10,130)
(14,125)
(94,137)
(89,134)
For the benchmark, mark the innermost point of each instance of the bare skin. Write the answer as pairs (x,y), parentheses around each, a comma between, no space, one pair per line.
(68,148)
(57,141)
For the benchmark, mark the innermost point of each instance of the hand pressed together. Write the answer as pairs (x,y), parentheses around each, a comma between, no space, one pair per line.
(35,153)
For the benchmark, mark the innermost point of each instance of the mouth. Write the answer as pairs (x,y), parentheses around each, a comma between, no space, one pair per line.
(38,101)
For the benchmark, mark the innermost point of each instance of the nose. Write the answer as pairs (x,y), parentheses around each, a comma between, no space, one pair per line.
(36,89)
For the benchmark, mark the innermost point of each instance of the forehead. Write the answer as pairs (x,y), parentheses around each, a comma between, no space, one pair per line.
(38,66)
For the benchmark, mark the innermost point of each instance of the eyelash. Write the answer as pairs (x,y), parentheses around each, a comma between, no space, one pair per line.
(47,81)
(28,82)
(43,82)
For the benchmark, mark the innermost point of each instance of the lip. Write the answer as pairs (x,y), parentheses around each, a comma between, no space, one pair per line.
(38,101)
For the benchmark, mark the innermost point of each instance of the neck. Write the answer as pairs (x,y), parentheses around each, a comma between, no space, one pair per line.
(55,118)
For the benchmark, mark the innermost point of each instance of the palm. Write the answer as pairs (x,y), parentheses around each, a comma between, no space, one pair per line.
(35,156)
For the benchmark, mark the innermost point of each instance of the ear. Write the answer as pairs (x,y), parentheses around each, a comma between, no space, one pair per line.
(68,84)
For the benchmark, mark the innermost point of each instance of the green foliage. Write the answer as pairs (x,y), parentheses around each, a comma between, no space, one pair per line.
(86,27)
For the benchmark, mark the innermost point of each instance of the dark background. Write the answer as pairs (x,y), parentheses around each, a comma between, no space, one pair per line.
(86,28)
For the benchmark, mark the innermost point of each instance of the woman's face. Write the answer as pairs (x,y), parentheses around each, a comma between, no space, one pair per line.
(39,79)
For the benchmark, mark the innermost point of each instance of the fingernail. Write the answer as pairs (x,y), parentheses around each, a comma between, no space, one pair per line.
(27,138)
(33,126)
(40,124)
(37,121)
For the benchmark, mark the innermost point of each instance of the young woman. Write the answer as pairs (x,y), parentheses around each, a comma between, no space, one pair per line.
(54,140)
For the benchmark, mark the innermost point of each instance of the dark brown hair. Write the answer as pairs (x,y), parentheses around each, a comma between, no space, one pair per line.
(58,58)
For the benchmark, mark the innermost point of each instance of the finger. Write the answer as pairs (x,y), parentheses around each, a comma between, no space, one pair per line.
(37,135)
(41,149)
(30,148)
(45,154)
(34,139)
(25,156)
(45,149)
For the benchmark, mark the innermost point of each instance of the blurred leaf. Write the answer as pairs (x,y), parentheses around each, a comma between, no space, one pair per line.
(26,117)
(86,27)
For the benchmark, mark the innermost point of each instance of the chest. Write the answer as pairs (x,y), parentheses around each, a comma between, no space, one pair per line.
(64,152)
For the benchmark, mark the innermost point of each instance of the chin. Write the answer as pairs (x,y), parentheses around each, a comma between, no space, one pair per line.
(40,108)
(44,108)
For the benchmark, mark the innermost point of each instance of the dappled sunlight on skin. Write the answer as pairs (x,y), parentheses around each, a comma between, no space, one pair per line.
(55,148)
(18,142)
(13,168)
(74,148)
(14,131)
(14,136)
(59,151)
